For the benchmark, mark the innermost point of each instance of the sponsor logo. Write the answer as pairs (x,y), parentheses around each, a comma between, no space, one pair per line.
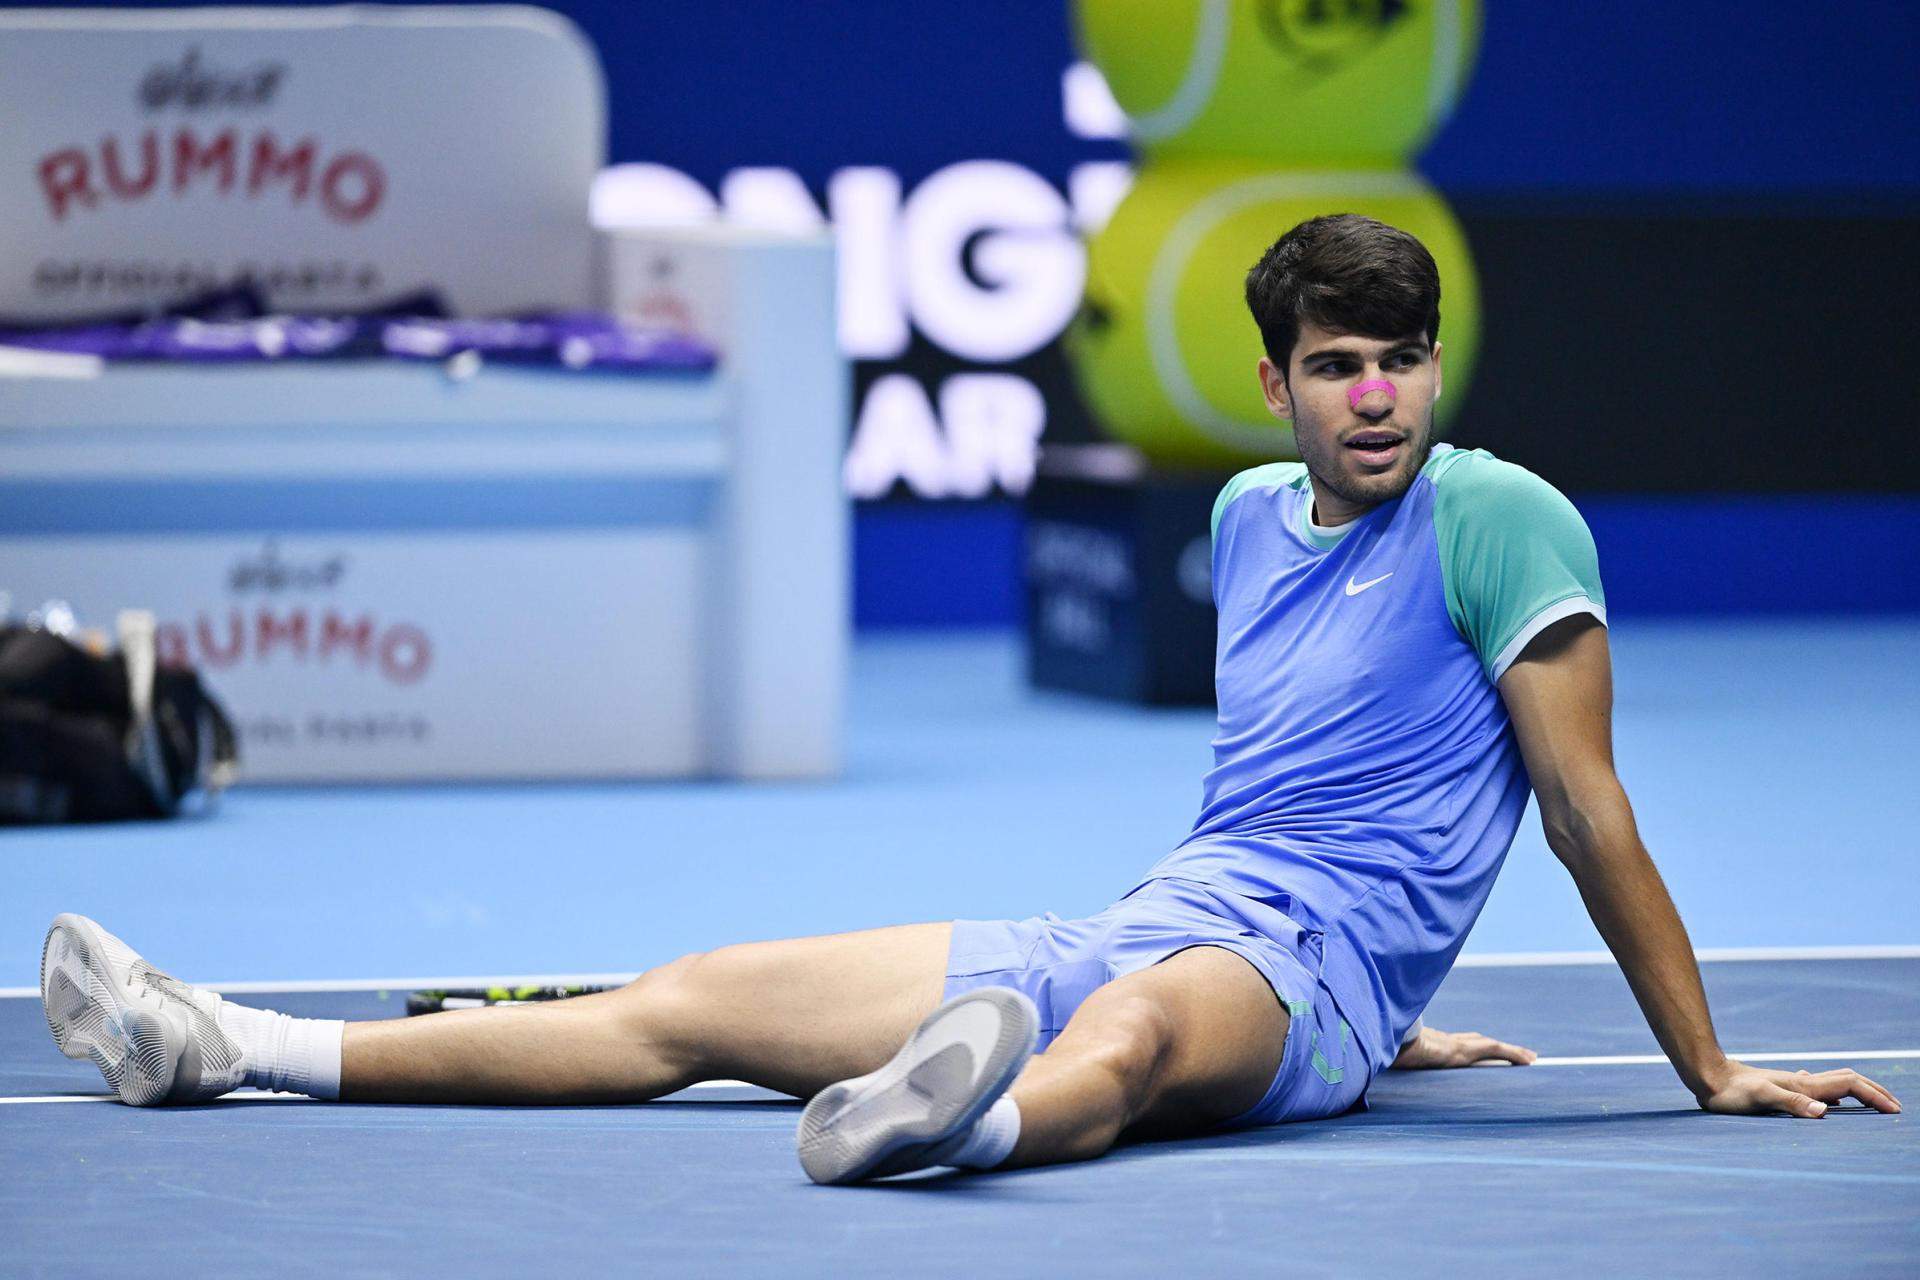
(190,85)
(356,729)
(1080,575)
(112,279)
(346,186)
(1324,35)
(269,572)
(662,299)
(1355,588)
(1080,557)
(398,652)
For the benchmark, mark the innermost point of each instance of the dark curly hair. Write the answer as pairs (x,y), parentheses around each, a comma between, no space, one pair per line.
(1346,273)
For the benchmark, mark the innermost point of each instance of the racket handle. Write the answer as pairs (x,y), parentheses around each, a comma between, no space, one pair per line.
(419,1002)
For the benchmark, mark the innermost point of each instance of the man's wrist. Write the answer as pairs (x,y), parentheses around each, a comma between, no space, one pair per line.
(1705,1075)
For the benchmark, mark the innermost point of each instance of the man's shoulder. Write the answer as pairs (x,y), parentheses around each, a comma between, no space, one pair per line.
(1272,475)
(1462,471)
(1472,486)
(1515,554)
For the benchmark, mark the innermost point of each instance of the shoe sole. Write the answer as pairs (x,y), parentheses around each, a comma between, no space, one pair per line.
(856,1128)
(92,1015)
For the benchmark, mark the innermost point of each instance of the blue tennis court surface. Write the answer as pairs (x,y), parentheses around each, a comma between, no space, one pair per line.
(1769,766)
(1541,1170)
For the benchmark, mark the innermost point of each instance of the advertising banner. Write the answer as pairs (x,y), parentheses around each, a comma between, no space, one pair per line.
(357,656)
(151,156)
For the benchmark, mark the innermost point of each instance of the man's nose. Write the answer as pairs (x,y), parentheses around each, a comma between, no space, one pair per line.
(1373,399)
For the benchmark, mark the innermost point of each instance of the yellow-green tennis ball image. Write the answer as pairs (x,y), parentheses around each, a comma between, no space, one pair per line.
(1295,82)
(1164,348)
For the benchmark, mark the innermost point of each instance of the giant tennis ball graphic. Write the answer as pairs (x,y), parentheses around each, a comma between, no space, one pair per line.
(1164,348)
(1299,82)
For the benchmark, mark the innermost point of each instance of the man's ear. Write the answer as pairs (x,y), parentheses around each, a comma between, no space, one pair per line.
(1438,381)
(1274,387)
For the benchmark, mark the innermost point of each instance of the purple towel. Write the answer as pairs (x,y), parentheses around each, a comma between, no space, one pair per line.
(571,340)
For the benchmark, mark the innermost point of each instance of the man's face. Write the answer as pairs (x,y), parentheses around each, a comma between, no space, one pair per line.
(1331,427)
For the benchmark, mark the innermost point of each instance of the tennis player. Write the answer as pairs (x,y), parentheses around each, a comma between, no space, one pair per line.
(1412,635)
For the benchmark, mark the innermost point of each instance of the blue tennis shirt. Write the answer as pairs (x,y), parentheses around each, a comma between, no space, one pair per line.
(1366,780)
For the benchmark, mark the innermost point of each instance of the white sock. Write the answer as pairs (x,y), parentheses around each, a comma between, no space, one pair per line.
(991,1140)
(286,1054)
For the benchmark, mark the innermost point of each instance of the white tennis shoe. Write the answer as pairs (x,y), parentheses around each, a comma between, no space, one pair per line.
(922,1103)
(154,1038)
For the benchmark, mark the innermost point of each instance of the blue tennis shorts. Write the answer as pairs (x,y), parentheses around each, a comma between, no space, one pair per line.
(1059,963)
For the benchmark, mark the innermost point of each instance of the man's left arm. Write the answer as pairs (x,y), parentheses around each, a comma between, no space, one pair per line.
(1559,697)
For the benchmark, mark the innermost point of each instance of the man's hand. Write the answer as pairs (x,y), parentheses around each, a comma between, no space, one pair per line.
(1740,1090)
(1435,1049)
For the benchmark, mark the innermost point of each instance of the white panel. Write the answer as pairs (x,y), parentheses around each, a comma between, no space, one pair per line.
(356,656)
(780,596)
(784,560)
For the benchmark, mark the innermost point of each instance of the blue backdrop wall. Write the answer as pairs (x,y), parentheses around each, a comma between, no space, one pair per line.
(1687,96)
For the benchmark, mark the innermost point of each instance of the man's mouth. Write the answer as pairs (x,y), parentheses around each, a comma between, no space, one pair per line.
(1376,448)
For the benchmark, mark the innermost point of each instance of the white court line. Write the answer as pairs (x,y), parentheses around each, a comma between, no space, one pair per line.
(1603,1060)
(1706,955)
(1471,960)
(108,1097)
(1651,1059)
(299,985)
(253,1095)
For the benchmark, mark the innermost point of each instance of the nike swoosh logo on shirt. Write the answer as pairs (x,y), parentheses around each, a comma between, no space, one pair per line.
(1355,588)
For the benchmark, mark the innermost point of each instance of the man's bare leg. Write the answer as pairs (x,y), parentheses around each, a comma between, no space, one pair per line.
(1172,1050)
(794,1016)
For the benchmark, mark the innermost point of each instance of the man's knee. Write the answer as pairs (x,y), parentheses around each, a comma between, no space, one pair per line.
(662,1005)
(673,976)
(1127,1039)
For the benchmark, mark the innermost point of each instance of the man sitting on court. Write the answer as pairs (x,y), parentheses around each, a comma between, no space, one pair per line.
(1411,635)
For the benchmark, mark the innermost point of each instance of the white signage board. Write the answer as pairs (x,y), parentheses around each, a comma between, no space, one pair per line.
(335,157)
(358,656)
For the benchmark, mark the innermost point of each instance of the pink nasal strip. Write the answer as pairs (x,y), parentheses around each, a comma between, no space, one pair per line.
(1356,394)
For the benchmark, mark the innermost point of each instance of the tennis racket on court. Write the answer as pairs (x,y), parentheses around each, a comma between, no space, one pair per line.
(481,997)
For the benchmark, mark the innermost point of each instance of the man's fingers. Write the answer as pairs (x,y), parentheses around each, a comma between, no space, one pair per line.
(1798,1093)
(1501,1051)
(1883,1091)
(1785,1099)
(1884,1095)
(1832,1086)
(1462,1049)
(1471,1047)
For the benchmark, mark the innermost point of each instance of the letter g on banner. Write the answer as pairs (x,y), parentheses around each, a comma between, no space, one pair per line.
(994,270)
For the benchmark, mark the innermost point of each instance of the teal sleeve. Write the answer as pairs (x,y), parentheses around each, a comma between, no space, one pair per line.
(1515,556)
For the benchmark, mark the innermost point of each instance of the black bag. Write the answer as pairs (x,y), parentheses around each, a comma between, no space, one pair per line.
(88,737)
